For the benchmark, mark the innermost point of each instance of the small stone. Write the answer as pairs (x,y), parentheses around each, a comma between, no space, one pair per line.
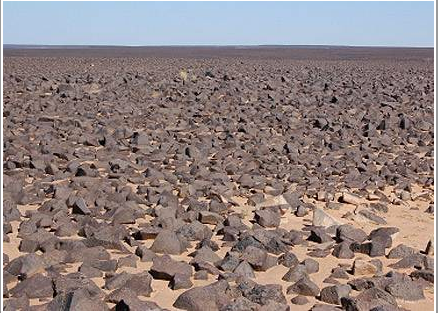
(429,250)
(350,233)
(207,217)
(80,207)
(299,300)
(267,218)
(311,265)
(351,198)
(167,242)
(201,275)
(319,235)
(180,281)
(343,251)
(333,294)
(362,267)
(288,259)
(321,218)
(244,269)
(400,251)
(295,273)
(165,267)
(304,287)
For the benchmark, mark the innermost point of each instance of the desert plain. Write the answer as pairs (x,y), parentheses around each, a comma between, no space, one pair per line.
(218,178)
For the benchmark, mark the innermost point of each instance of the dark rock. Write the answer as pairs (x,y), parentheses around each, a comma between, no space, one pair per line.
(400,251)
(333,294)
(288,259)
(299,300)
(343,251)
(350,233)
(167,242)
(37,286)
(304,287)
(244,269)
(208,298)
(180,281)
(165,267)
(319,235)
(295,273)
(268,218)
(76,300)
(368,299)
(311,265)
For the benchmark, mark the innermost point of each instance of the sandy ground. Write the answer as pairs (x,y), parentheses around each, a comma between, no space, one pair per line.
(416,229)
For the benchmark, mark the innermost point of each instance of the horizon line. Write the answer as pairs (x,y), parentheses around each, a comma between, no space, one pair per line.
(30,46)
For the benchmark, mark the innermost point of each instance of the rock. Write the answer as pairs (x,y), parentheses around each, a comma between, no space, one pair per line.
(264,294)
(360,284)
(304,287)
(126,300)
(379,207)
(374,248)
(207,217)
(333,294)
(383,231)
(340,273)
(254,256)
(128,261)
(145,254)
(167,242)
(201,275)
(37,286)
(229,262)
(311,265)
(244,269)
(349,233)
(77,300)
(319,235)
(240,304)
(195,231)
(180,281)
(295,273)
(80,207)
(343,251)
(427,275)
(429,250)
(351,198)
(324,307)
(140,284)
(406,290)
(16,304)
(412,260)
(288,259)
(362,267)
(26,265)
(372,217)
(369,299)
(268,218)
(207,298)
(400,251)
(74,281)
(204,254)
(321,218)
(299,300)
(274,306)
(165,267)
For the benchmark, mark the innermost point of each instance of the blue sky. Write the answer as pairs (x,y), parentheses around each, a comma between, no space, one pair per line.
(219,23)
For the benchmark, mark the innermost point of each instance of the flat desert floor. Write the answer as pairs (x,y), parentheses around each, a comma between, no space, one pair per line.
(266,178)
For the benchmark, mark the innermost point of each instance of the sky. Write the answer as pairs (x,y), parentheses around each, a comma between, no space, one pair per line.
(219,23)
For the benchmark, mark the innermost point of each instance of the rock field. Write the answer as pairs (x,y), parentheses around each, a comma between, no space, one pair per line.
(218,182)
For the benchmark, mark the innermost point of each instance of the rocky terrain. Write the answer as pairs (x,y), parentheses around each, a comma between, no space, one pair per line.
(299,181)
